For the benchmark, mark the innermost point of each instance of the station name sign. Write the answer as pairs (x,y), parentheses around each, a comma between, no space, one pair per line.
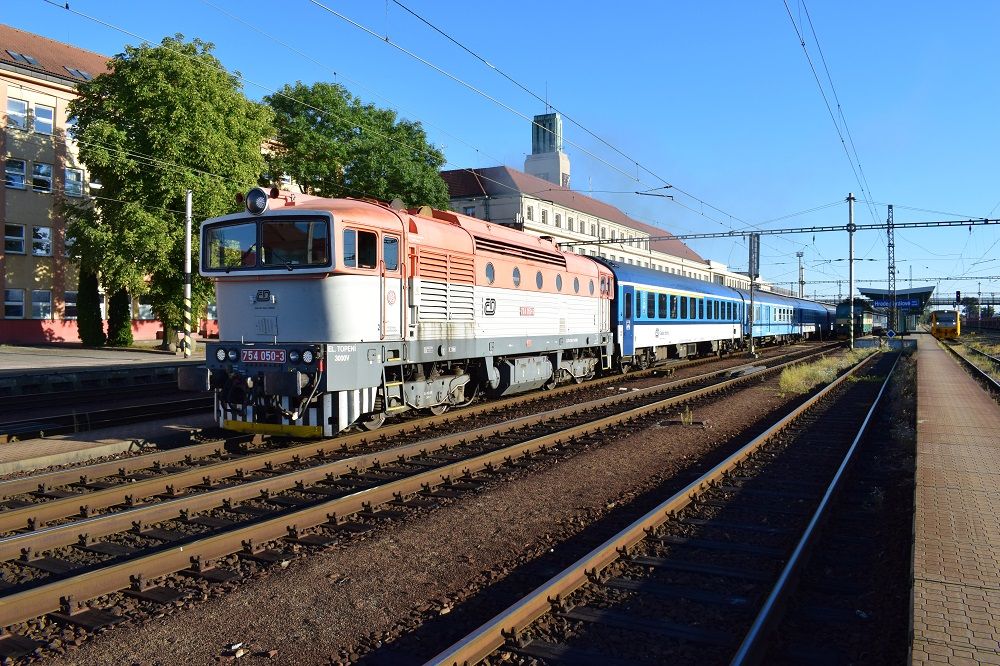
(900,303)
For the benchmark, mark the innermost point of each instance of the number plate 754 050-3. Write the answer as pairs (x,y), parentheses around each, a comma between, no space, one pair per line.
(262,355)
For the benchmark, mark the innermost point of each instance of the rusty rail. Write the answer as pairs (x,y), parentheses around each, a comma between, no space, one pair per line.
(492,635)
(46,597)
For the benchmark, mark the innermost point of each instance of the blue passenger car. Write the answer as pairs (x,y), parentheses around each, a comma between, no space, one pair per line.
(658,316)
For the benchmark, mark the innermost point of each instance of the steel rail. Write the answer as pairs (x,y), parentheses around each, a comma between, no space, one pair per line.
(492,635)
(83,421)
(978,373)
(37,515)
(750,650)
(25,544)
(45,598)
(62,477)
(123,466)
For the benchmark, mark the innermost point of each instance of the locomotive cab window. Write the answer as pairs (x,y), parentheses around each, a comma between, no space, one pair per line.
(360,249)
(294,243)
(390,252)
(231,246)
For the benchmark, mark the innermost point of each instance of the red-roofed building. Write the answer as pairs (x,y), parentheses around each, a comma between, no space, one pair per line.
(540,202)
(507,196)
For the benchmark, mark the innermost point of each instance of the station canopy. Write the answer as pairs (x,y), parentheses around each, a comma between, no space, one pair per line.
(910,300)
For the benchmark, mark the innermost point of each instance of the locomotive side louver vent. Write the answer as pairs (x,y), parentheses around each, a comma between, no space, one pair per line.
(446,287)
(495,246)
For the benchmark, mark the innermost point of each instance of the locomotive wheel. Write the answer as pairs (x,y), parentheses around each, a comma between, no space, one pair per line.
(438,410)
(374,421)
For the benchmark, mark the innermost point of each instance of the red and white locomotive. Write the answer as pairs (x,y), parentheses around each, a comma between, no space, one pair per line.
(338,311)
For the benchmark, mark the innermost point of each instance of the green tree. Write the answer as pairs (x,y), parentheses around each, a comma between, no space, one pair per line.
(88,310)
(162,120)
(120,319)
(333,145)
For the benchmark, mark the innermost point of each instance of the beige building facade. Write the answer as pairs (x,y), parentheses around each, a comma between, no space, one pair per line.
(38,79)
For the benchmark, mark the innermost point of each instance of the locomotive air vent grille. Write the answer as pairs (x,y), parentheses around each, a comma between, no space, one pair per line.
(511,250)
(446,287)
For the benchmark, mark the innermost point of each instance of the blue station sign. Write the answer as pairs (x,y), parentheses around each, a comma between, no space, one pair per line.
(900,303)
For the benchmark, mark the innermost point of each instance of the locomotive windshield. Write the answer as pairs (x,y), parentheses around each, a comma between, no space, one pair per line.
(945,318)
(285,242)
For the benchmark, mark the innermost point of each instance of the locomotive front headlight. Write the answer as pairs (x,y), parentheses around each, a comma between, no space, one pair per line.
(232,355)
(256,201)
(220,354)
(293,356)
(307,356)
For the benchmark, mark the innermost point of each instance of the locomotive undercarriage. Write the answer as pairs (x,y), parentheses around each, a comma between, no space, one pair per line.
(434,387)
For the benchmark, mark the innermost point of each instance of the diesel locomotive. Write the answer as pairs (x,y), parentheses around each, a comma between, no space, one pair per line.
(340,312)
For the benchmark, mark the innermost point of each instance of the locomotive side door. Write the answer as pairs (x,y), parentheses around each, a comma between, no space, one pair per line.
(627,314)
(391,278)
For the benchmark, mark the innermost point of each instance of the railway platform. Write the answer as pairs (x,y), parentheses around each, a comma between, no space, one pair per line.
(956,555)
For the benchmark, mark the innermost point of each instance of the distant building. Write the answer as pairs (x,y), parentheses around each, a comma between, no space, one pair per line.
(547,159)
(540,202)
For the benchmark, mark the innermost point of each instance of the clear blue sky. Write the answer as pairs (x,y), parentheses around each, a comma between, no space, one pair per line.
(716,98)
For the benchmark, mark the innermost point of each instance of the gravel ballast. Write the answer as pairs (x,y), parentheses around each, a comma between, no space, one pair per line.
(409,588)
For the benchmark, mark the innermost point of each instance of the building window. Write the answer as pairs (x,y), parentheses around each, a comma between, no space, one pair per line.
(13,303)
(17,113)
(569,223)
(43,119)
(41,177)
(13,238)
(469,210)
(74,182)
(545,216)
(558,220)
(604,232)
(41,241)
(41,304)
(593,230)
(69,305)
(145,312)
(613,234)
(530,213)
(15,173)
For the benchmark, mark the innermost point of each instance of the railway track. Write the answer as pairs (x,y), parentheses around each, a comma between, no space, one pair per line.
(704,575)
(134,531)
(61,421)
(984,367)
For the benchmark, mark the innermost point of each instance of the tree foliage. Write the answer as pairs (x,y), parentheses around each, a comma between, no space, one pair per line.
(333,145)
(162,120)
(88,310)
(120,320)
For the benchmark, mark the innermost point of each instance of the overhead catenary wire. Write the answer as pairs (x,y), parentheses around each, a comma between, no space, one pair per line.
(826,102)
(387,40)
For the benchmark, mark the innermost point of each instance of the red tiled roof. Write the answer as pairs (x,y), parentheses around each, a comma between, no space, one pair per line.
(498,181)
(52,57)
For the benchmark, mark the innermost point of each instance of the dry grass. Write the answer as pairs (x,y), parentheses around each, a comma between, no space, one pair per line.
(804,377)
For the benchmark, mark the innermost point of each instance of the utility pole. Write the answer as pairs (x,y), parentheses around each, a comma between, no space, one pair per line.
(754,273)
(802,276)
(187,278)
(892,270)
(851,228)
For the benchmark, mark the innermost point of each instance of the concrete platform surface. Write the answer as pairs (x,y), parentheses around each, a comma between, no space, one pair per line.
(49,358)
(956,555)
(44,452)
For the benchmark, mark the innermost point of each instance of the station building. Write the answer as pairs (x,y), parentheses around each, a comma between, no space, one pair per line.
(538,200)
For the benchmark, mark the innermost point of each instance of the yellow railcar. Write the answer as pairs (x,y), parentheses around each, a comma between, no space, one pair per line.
(946,324)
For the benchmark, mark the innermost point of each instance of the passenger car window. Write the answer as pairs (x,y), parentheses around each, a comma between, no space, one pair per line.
(673,307)
(628,306)
(684,307)
(662,306)
(650,305)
